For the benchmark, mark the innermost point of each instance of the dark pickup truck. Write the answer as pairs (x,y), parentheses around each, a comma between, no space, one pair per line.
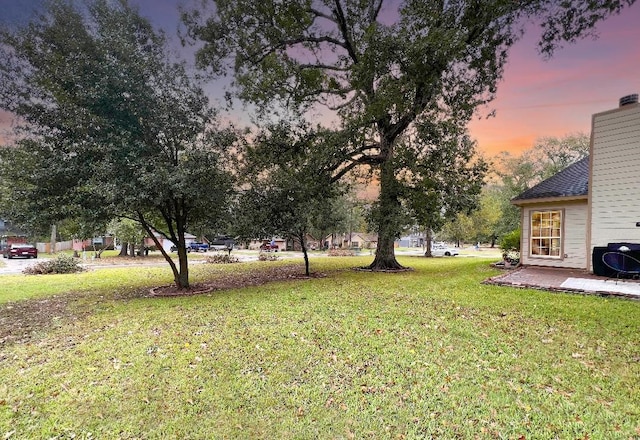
(222,244)
(198,247)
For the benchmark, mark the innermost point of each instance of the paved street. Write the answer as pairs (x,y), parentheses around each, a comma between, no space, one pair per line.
(17,265)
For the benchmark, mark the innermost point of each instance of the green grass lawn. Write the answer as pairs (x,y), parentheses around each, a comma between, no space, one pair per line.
(430,353)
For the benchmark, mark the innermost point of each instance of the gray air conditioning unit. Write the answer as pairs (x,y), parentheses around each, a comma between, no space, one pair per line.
(629,99)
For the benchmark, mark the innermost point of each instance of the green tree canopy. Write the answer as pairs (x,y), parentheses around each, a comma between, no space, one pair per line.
(440,179)
(288,190)
(110,125)
(381,66)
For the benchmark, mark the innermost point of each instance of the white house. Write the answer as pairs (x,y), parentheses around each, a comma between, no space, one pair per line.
(568,219)
(168,244)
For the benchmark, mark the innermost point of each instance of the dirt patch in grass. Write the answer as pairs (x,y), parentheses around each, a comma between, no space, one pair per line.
(23,320)
(20,321)
(234,281)
(117,260)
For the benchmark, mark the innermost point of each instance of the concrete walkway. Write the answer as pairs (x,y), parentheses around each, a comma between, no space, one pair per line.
(567,280)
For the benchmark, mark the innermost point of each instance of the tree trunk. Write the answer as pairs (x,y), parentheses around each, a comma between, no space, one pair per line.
(427,239)
(303,245)
(181,277)
(123,249)
(181,273)
(388,226)
(132,249)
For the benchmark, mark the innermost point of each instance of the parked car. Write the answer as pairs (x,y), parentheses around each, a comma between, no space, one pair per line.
(442,250)
(198,247)
(20,250)
(269,247)
(222,243)
(195,247)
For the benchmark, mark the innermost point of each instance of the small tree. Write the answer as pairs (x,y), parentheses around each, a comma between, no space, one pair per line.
(334,215)
(288,189)
(445,176)
(486,219)
(110,126)
(459,229)
(129,233)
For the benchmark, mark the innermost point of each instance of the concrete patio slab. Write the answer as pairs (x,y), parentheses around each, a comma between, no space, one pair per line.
(566,280)
(598,286)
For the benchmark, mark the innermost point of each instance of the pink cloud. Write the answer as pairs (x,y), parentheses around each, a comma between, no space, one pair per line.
(558,96)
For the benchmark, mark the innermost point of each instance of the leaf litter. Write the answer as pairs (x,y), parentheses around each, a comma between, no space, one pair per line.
(21,321)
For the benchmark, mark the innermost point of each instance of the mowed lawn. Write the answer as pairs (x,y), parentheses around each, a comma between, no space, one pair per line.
(430,353)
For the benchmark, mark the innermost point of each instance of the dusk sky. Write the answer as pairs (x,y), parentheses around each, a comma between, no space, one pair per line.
(536,97)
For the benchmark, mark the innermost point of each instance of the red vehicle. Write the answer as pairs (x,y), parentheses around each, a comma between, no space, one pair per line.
(20,250)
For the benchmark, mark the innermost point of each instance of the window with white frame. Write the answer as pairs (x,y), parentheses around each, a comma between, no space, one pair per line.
(546,233)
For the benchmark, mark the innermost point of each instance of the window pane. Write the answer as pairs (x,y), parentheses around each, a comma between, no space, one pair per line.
(535,247)
(546,230)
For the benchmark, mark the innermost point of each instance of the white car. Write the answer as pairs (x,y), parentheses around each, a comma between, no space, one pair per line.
(442,250)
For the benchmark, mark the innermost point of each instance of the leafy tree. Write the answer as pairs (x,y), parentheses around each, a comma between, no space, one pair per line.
(381,66)
(286,193)
(440,179)
(334,216)
(486,219)
(129,233)
(553,154)
(459,229)
(110,126)
(548,156)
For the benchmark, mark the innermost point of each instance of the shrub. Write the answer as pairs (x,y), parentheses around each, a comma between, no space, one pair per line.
(222,259)
(61,264)
(510,245)
(341,253)
(263,256)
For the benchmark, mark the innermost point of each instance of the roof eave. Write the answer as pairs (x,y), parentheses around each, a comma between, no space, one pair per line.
(559,199)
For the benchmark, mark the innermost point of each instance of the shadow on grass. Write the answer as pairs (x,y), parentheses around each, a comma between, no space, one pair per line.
(21,321)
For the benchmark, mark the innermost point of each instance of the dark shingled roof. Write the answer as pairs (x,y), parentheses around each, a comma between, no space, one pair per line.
(570,182)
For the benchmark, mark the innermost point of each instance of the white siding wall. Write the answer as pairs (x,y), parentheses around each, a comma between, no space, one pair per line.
(574,231)
(615,179)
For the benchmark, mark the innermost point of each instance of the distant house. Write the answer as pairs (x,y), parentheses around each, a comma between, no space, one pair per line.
(570,218)
(166,243)
(312,243)
(278,241)
(9,234)
(412,240)
(359,240)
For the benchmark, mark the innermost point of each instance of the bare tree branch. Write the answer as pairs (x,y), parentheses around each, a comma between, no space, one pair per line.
(344,30)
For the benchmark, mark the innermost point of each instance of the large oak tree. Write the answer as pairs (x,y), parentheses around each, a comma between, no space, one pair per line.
(379,66)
